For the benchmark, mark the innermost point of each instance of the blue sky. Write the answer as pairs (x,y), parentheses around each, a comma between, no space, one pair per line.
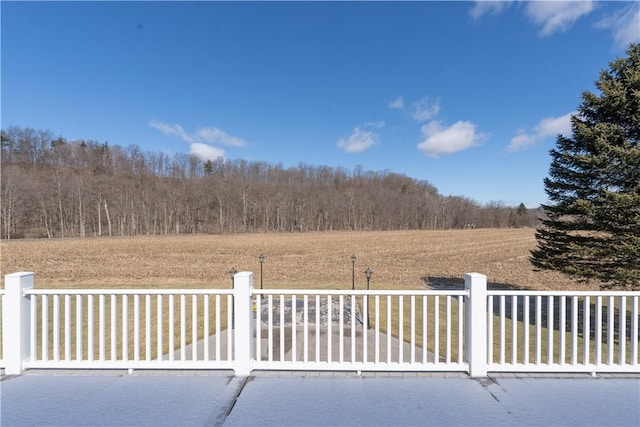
(466,95)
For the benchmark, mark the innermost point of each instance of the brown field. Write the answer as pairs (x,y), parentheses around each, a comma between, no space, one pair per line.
(399,259)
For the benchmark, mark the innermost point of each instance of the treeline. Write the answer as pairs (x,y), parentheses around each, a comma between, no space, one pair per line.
(52,187)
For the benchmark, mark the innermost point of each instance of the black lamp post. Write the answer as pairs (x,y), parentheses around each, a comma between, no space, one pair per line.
(353,272)
(232,273)
(368,273)
(261,259)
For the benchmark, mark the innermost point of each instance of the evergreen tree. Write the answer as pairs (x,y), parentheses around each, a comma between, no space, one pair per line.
(522,209)
(592,229)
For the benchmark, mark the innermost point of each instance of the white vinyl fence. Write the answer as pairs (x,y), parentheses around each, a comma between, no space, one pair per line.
(130,329)
(563,331)
(359,330)
(244,329)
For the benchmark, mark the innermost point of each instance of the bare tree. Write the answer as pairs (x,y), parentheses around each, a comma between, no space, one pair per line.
(82,188)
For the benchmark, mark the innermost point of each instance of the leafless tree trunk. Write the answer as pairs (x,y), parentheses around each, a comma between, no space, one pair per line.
(106,211)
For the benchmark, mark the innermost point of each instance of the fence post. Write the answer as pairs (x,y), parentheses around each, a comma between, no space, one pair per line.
(16,321)
(243,332)
(475,317)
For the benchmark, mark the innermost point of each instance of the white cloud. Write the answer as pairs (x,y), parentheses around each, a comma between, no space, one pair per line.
(625,24)
(521,141)
(397,104)
(378,125)
(557,16)
(425,109)
(175,130)
(216,136)
(482,7)
(206,152)
(360,139)
(201,138)
(546,128)
(439,140)
(200,141)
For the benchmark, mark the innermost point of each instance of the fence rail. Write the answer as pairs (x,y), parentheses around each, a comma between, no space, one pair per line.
(244,329)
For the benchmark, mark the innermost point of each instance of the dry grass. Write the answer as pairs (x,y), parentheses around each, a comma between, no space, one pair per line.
(399,259)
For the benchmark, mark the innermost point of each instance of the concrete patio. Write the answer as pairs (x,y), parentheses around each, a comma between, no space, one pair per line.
(210,398)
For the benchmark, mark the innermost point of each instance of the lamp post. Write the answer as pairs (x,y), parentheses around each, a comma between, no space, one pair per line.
(353,272)
(232,273)
(368,273)
(261,259)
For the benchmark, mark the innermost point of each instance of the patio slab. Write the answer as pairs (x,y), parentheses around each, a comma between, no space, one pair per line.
(216,398)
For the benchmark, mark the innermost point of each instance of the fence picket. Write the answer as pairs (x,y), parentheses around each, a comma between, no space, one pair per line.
(114,321)
(305,323)
(365,328)
(550,327)
(376,357)
(159,327)
(574,330)
(341,330)
(436,329)
(389,331)
(136,327)
(634,330)
(610,329)
(258,328)
(171,309)
(318,327)
(147,326)
(329,331)
(563,329)
(490,328)
(270,330)
(586,329)
(526,343)
(102,327)
(622,329)
(412,326)
(353,328)
(90,326)
(598,336)
(294,349)
(194,327)
(206,320)
(503,332)
(514,329)
(282,328)
(56,327)
(125,329)
(460,330)
(218,329)
(448,330)
(230,321)
(78,321)
(183,327)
